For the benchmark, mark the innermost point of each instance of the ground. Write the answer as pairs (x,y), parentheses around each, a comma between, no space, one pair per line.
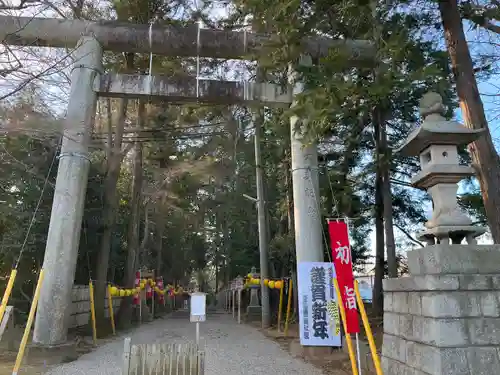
(231,349)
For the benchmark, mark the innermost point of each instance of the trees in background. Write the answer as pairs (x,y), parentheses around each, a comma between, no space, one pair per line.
(166,185)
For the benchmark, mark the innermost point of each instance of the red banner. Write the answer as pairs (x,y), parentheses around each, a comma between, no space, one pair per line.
(137,285)
(341,256)
(159,284)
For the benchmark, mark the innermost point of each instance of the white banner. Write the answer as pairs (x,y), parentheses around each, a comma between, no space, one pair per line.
(319,316)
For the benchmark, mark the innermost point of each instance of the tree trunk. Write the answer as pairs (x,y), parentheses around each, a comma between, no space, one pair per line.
(133,248)
(483,152)
(110,203)
(385,163)
(378,298)
(160,228)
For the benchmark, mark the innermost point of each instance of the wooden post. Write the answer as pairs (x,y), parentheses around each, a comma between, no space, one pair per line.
(280,308)
(126,355)
(288,305)
(111,313)
(92,312)
(27,330)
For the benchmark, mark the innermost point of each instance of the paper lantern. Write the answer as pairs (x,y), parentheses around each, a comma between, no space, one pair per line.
(122,293)
(266,282)
(271,284)
(255,281)
(278,284)
(113,290)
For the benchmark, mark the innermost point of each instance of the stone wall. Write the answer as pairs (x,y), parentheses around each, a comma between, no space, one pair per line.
(80,306)
(446,318)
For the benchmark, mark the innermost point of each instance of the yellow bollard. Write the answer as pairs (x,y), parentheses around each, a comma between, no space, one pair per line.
(92,312)
(350,348)
(288,306)
(280,308)
(27,330)
(110,307)
(368,330)
(6,294)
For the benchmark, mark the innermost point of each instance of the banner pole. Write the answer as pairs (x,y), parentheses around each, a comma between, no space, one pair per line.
(368,330)
(280,307)
(348,339)
(358,353)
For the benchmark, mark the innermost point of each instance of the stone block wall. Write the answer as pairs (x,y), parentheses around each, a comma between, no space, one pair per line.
(438,323)
(80,311)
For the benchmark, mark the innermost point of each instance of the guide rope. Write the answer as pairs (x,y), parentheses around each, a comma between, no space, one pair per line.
(198,45)
(150,78)
(38,205)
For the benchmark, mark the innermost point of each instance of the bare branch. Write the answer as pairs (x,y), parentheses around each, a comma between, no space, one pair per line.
(410,237)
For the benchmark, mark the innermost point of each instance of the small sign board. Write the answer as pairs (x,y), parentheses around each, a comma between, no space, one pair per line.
(239,283)
(198,307)
(318,309)
(233,285)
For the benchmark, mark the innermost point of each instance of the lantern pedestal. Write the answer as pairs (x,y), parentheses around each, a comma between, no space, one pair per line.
(445,318)
(254,310)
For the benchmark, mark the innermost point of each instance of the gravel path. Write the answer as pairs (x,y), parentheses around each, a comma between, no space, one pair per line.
(231,349)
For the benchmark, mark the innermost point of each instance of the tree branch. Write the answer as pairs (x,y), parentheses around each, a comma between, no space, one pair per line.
(410,237)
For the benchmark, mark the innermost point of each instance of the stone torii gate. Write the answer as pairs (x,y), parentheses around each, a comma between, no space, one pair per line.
(89,81)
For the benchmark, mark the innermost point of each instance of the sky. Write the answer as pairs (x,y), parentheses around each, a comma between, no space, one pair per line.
(489,88)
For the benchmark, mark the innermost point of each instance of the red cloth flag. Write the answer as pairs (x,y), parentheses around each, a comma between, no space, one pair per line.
(137,284)
(341,255)
(159,284)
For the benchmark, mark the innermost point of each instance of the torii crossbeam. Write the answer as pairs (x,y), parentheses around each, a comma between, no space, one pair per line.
(88,82)
(166,40)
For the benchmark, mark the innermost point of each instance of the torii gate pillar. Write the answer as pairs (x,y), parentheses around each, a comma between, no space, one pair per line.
(61,253)
(308,227)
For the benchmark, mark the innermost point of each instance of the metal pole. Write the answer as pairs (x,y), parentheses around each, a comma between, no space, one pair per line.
(308,226)
(197,333)
(234,305)
(239,306)
(258,119)
(140,297)
(358,353)
(61,251)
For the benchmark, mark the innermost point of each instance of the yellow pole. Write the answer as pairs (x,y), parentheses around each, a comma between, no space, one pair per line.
(92,311)
(280,308)
(288,306)
(110,307)
(6,294)
(27,330)
(368,330)
(350,348)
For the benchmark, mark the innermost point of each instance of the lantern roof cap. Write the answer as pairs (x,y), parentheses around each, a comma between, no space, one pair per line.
(435,129)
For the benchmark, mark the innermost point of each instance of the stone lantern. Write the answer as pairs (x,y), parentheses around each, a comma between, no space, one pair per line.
(444,317)
(254,309)
(436,141)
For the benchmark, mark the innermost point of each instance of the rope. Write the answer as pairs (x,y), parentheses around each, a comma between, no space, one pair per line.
(37,207)
(198,59)
(150,37)
(318,208)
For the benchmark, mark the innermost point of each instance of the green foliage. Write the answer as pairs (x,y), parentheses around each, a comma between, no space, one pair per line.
(198,161)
